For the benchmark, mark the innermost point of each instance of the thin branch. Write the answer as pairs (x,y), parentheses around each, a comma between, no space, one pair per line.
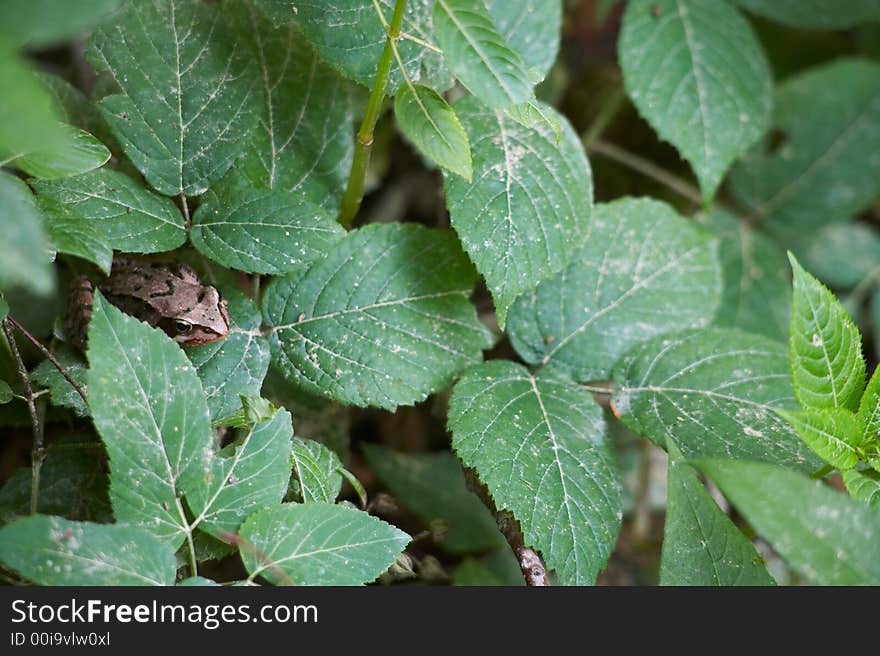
(530,563)
(603,119)
(646,168)
(51,358)
(38,452)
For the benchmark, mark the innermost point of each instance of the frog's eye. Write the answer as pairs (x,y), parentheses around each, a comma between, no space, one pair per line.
(182,327)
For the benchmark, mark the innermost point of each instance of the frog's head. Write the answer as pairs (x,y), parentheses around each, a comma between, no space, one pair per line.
(201,322)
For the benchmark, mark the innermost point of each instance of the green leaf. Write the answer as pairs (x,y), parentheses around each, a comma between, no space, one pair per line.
(253,474)
(4,308)
(815,14)
(697,73)
(70,233)
(701,546)
(432,485)
(827,367)
(317,470)
(28,121)
(869,410)
(262,231)
(528,208)
(319,544)
(76,152)
(349,35)
(45,22)
(826,536)
(532,113)
(236,365)
(6,394)
(825,168)
(303,141)
(149,408)
(843,254)
(714,392)
(24,253)
(60,391)
(479,56)
(73,483)
(73,107)
(538,444)
(531,27)
(644,271)
(55,551)
(188,98)
(197,581)
(431,124)
(383,320)
(832,434)
(863,484)
(756,291)
(119,210)
(498,568)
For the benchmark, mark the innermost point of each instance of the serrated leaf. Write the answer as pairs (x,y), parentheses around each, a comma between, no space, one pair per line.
(319,544)
(303,141)
(701,546)
(432,125)
(75,153)
(538,444)
(825,168)
(827,367)
(62,392)
(317,470)
(262,231)
(383,320)
(833,434)
(826,536)
(714,392)
(55,551)
(479,56)
(863,484)
(697,73)
(122,212)
(70,233)
(528,208)
(531,27)
(815,14)
(44,22)
(349,35)
(24,251)
(643,271)
(756,291)
(432,485)
(235,365)
(149,408)
(73,484)
(188,98)
(869,410)
(253,474)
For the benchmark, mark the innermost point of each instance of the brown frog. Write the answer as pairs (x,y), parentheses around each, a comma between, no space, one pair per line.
(165,295)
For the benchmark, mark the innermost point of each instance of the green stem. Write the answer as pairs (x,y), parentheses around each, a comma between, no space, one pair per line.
(354,192)
(38,452)
(606,114)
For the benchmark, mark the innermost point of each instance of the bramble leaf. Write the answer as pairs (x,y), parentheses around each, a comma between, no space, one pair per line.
(697,73)
(827,367)
(643,271)
(538,443)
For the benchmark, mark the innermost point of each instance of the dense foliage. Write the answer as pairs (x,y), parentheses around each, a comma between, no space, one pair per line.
(454,340)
